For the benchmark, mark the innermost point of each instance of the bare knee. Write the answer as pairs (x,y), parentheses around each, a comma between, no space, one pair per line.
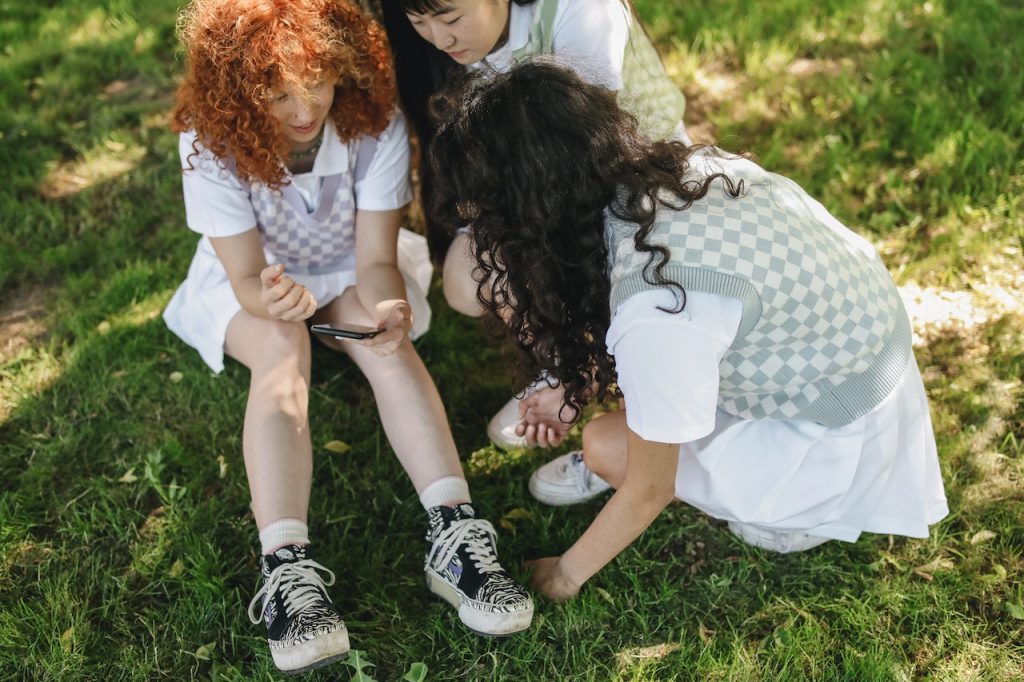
(460,289)
(604,444)
(280,372)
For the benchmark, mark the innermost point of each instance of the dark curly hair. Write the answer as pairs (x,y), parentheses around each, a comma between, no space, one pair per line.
(237,50)
(532,159)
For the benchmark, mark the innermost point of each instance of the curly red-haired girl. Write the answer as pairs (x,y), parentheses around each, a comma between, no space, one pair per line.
(295,173)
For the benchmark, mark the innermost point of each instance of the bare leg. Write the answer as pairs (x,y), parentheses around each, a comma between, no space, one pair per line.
(275,438)
(604,446)
(410,408)
(459,285)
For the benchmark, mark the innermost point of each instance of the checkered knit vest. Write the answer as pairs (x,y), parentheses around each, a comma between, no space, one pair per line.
(823,334)
(319,241)
(647,93)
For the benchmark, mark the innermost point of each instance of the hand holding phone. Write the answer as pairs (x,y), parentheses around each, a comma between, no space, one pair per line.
(346,331)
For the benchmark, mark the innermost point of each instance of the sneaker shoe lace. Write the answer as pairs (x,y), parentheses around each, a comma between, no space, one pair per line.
(299,583)
(583,476)
(476,535)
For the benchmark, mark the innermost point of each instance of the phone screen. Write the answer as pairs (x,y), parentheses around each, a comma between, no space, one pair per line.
(348,331)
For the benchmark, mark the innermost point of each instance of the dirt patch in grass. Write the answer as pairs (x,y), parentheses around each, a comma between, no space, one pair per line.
(22,321)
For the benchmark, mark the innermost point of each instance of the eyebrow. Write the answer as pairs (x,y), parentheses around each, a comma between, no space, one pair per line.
(447,9)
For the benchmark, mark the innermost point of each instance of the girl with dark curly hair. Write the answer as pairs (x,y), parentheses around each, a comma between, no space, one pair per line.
(436,41)
(761,349)
(295,171)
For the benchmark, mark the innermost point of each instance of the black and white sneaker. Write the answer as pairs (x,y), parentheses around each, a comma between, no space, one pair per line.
(462,568)
(304,629)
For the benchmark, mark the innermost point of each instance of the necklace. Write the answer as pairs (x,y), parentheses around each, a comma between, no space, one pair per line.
(306,153)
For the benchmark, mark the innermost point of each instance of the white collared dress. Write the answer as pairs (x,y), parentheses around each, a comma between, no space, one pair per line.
(309,225)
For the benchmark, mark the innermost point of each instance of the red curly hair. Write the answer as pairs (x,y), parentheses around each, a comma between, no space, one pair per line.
(236,51)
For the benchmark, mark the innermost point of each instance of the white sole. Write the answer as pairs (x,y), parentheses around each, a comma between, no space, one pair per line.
(556,500)
(315,653)
(477,619)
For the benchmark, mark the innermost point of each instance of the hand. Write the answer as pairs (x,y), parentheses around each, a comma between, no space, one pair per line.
(395,318)
(549,579)
(283,298)
(540,418)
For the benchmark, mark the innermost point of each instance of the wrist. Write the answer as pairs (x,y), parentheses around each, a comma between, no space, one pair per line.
(571,578)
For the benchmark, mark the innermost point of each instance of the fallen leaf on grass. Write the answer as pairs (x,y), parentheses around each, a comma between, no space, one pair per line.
(926,570)
(129,476)
(204,652)
(508,521)
(704,633)
(982,536)
(67,640)
(103,327)
(175,377)
(177,568)
(223,465)
(417,672)
(338,446)
(1015,610)
(603,593)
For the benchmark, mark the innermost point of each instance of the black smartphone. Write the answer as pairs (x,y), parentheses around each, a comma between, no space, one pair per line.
(349,331)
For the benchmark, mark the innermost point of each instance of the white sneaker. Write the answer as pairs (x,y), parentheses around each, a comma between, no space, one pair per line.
(773,540)
(502,427)
(566,480)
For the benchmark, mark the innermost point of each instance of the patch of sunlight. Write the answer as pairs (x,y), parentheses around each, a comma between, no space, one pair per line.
(21,554)
(978,661)
(97,28)
(628,657)
(877,23)
(137,314)
(638,656)
(998,478)
(28,373)
(716,83)
(935,311)
(767,60)
(100,164)
(943,156)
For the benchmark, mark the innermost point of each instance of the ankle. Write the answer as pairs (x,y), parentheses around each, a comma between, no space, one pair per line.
(447,491)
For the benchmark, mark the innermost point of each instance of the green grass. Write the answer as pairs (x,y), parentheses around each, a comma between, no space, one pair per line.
(127,549)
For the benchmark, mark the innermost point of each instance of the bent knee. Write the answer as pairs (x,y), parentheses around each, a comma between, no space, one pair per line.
(282,346)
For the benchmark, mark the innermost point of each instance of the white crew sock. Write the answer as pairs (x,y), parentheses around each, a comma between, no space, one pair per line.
(449,490)
(283,532)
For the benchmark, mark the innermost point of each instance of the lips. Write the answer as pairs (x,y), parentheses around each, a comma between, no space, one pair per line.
(305,130)
(457,55)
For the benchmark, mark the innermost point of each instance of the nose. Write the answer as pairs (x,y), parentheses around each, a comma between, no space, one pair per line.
(304,111)
(442,37)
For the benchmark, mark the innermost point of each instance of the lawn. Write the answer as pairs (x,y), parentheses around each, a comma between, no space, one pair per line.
(127,549)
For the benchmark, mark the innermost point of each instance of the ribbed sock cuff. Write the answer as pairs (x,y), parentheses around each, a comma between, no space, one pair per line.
(283,532)
(449,490)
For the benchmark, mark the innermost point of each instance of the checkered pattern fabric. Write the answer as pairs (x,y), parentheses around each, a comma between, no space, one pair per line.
(306,241)
(647,93)
(823,335)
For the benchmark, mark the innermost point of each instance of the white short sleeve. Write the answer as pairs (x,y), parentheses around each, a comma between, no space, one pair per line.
(590,37)
(216,203)
(668,363)
(386,184)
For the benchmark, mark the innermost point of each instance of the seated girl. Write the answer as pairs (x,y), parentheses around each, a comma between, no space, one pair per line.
(295,173)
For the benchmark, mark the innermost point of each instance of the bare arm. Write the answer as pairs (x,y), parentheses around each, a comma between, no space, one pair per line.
(379,285)
(264,291)
(648,488)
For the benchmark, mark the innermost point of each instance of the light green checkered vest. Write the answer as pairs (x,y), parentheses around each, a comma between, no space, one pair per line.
(823,337)
(648,93)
